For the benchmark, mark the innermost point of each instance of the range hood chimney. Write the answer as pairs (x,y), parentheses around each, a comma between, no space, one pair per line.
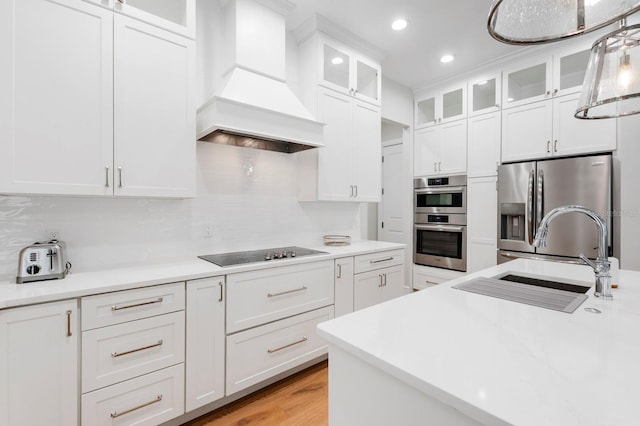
(254,99)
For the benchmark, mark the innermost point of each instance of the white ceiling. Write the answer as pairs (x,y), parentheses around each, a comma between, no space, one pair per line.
(412,56)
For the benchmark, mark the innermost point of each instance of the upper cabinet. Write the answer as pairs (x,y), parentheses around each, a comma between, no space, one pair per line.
(442,107)
(177,16)
(544,78)
(349,72)
(484,94)
(103,119)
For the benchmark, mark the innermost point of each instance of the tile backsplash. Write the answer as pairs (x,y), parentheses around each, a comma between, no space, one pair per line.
(248,196)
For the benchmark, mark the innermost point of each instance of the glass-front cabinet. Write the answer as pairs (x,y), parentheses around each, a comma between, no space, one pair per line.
(448,105)
(484,94)
(349,72)
(545,78)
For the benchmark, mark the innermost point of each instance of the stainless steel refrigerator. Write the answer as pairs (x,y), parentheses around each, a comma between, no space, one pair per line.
(527,191)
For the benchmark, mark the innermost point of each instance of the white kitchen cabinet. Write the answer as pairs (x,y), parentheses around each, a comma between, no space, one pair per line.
(39,364)
(348,167)
(426,276)
(373,287)
(205,350)
(347,71)
(545,77)
(483,145)
(154,122)
(102,110)
(485,94)
(260,353)
(441,149)
(482,222)
(177,16)
(447,105)
(549,128)
(343,286)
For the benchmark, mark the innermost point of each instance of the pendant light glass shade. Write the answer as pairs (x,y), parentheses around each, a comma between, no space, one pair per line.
(544,21)
(612,82)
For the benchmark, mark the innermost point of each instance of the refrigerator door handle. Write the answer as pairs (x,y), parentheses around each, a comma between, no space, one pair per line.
(539,198)
(530,196)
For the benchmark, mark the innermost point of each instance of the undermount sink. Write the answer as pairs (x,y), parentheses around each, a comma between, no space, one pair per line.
(546,292)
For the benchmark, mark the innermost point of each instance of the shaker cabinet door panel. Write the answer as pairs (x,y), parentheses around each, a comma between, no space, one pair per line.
(154,120)
(56,125)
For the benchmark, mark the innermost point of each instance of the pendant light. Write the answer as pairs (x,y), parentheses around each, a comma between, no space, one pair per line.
(542,21)
(612,82)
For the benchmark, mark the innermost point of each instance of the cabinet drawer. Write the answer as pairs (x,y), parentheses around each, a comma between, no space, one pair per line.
(147,400)
(262,352)
(129,305)
(383,259)
(119,352)
(258,297)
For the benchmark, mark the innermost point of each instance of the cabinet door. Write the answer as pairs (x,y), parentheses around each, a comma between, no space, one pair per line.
(367,289)
(367,80)
(343,299)
(335,173)
(335,66)
(454,103)
(39,364)
(483,145)
(526,132)
(569,69)
(154,111)
(482,222)
(526,83)
(485,94)
(205,348)
(426,151)
(427,111)
(367,154)
(393,283)
(178,16)
(573,136)
(56,126)
(453,148)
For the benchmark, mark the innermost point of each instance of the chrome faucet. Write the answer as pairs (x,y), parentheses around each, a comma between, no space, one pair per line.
(601,266)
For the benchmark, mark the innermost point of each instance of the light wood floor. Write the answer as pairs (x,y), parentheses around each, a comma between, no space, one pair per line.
(297,400)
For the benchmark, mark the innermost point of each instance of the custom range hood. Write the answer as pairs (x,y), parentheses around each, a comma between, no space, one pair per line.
(252,105)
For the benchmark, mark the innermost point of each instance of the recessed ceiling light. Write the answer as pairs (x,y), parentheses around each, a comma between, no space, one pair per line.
(446,58)
(337,60)
(399,24)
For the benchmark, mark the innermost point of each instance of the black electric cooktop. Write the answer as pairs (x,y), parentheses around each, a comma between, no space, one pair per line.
(264,255)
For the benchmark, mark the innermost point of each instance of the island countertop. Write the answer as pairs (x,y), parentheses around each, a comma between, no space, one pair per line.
(502,362)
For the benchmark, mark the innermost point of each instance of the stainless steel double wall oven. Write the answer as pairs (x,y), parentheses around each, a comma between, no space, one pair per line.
(440,222)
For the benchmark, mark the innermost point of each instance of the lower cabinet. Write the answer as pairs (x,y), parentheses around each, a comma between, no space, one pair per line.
(262,352)
(482,225)
(39,364)
(205,349)
(371,288)
(426,276)
(343,286)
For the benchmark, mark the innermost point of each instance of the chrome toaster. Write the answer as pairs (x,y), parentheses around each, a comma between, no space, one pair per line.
(43,261)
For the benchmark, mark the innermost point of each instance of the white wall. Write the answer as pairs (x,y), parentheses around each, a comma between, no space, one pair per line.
(397,102)
(248,195)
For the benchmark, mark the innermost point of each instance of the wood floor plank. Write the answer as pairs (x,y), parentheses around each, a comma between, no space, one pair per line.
(301,399)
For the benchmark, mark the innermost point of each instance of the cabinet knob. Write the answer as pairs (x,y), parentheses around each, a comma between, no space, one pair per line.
(497,105)
(555,91)
(548,92)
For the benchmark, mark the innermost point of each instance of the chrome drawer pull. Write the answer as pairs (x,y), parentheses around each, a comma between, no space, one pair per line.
(381,260)
(68,323)
(304,339)
(115,414)
(155,345)
(118,308)
(287,292)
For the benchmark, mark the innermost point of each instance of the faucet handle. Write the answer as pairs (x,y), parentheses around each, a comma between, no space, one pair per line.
(588,261)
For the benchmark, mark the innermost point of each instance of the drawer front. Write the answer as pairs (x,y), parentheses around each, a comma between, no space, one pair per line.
(263,352)
(119,352)
(114,308)
(383,259)
(258,297)
(147,400)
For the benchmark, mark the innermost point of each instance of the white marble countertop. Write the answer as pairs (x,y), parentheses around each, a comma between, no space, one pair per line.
(85,283)
(502,362)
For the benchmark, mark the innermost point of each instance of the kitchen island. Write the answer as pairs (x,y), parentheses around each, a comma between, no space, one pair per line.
(443,356)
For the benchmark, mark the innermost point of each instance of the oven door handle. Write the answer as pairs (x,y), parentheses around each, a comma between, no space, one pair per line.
(440,190)
(441,228)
